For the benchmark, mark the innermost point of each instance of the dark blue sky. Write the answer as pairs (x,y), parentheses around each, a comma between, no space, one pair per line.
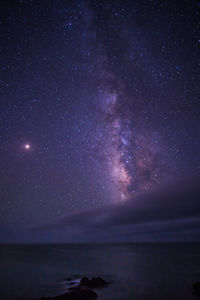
(99,105)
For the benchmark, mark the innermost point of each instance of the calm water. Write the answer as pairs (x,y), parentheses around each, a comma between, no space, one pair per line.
(137,271)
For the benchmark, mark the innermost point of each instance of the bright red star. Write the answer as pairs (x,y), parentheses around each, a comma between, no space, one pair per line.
(27,146)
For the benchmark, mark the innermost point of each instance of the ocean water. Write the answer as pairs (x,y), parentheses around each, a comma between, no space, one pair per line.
(136,271)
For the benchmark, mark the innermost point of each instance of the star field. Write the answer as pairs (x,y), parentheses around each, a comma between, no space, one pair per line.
(99,103)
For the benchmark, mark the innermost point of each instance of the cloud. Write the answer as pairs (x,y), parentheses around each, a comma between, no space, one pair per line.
(169,214)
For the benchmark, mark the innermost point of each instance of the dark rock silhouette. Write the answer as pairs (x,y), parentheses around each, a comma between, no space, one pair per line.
(82,291)
(76,294)
(94,282)
(84,281)
(196,287)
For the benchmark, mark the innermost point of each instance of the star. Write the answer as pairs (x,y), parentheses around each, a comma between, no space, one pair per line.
(27,146)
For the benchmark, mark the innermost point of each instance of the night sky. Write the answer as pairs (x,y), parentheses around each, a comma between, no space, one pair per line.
(100,110)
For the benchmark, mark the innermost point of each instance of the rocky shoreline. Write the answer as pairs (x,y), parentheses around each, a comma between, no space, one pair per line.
(196,288)
(84,290)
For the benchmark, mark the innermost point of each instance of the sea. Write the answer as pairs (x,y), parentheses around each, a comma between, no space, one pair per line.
(136,271)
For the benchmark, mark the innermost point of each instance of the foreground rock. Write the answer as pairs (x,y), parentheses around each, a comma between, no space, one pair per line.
(196,287)
(83,290)
(77,294)
(93,283)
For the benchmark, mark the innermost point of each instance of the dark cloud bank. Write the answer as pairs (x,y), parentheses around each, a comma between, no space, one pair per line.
(171,214)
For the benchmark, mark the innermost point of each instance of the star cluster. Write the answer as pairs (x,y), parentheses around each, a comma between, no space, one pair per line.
(99,103)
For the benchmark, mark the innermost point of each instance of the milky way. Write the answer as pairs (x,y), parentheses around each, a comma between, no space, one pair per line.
(115,149)
(133,153)
(135,163)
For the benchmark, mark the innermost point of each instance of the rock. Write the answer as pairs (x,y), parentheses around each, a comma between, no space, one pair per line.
(82,295)
(74,288)
(85,281)
(78,294)
(99,282)
(95,282)
(196,287)
(82,291)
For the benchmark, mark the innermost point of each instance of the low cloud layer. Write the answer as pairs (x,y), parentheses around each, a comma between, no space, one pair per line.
(172,214)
